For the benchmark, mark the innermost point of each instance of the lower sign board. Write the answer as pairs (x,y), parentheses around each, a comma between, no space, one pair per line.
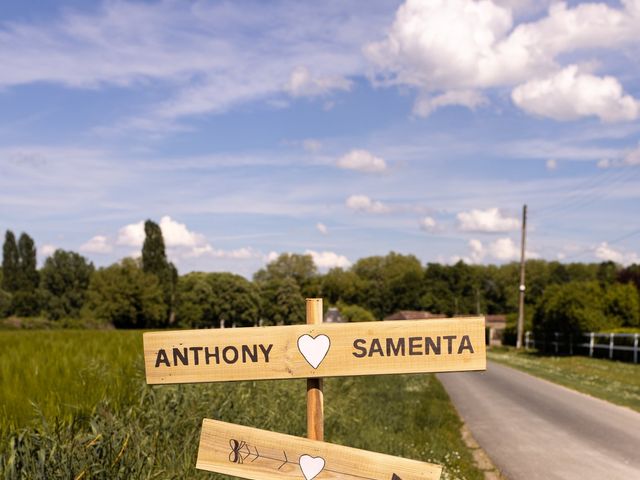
(323,350)
(262,455)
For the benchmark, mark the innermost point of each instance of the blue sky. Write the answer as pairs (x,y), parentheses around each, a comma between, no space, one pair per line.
(248,129)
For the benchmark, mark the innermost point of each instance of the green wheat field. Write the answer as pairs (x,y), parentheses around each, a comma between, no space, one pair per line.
(75,405)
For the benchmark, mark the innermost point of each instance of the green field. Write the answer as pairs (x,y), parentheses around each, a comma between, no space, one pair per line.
(616,382)
(75,406)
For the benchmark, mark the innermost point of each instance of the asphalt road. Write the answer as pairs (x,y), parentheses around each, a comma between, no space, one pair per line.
(533,429)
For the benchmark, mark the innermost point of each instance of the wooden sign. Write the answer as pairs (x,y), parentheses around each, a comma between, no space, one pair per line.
(261,455)
(323,350)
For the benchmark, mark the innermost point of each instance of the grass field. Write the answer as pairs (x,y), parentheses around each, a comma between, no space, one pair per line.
(75,406)
(616,382)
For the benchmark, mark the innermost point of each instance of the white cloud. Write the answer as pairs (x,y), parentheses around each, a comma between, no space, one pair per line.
(425,104)
(552,164)
(607,253)
(362,161)
(501,250)
(322,228)
(362,203)
(131,235)
(569,95)
(604,163)
(303,84)
(177,235)
(98,244)
(47,250)
(445,47)
(312,145)
(326,260)
(428,224)
(271,257)
(633,157)
(490,220)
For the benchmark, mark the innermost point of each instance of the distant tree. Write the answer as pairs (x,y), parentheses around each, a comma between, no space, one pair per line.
(607,273)
(389,283)
(630,274)
(355,313)
(622,305)
(154,261)
(65,278)
(339,285)
(573,307)
(194,301)
(28,276)
(10,263)
(126,296)
(235,299)
(5,303)
(298,267)
(282,301)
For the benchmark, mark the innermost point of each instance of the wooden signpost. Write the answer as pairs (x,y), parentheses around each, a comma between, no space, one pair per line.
(261,455)
(322,350)
(311,351)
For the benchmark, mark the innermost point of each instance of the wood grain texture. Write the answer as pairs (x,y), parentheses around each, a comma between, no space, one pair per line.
(262,455)
(315,395)
(342,359)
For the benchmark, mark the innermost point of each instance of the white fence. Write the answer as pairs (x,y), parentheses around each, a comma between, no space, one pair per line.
(587,342)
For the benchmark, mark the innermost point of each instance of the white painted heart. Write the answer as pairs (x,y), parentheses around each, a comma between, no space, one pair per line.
(314,349)
(311,466)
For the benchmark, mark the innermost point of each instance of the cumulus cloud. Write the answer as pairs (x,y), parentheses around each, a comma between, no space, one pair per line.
(362,203)
(451,49)
(569,95)
(607,253)
(303,84)
(363,161)
(425,105)
(501,250)
(428,224)
(490,221)
(552,164)
(326,260)
(98,244)
(47,250)
(322,228)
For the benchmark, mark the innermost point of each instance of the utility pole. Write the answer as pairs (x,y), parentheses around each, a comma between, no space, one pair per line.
(522,283)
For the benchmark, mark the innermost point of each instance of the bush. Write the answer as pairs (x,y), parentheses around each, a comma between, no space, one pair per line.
(622,305)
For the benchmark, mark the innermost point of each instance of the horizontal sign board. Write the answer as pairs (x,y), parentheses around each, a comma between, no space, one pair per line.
(324,350)
(262,455)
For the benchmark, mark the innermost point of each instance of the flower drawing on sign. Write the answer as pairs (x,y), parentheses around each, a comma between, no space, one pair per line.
(314,349)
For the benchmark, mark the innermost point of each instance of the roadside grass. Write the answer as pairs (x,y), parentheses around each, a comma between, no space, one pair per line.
(616,382)
(96,418)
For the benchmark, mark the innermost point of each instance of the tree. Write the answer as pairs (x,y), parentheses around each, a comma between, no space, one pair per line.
(194,301)
(572,307)
(390,283)
(282,301)
(298,267)
(622,305)
(28,264)
(235,299)
(154,261)
(126,296)
(65,278)
(355,313)
(10,263)
(339,285)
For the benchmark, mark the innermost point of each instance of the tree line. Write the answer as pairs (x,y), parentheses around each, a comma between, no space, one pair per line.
(147,292)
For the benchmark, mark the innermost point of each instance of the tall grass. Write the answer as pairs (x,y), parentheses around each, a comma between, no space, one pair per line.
(135,431)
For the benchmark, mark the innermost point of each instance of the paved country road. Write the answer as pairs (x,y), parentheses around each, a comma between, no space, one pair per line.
(533,429)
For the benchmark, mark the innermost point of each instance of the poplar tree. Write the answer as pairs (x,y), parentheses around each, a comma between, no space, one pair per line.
(10,263)
(154,261)
(28,278)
